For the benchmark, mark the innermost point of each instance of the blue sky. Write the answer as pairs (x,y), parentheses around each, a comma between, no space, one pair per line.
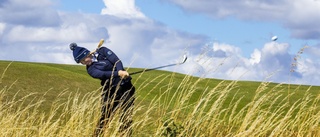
(148,33)
(245,34)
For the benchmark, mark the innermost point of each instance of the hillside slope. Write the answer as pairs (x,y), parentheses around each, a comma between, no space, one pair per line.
(41,77)
(52,79)
(166,103)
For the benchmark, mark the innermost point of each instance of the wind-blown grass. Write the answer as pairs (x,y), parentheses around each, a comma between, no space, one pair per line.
(168,104)
(171,113)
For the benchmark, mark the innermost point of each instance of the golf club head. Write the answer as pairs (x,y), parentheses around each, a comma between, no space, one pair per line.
(184,59)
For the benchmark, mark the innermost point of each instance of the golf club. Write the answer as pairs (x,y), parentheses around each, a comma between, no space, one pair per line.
(183,61)
(99,45)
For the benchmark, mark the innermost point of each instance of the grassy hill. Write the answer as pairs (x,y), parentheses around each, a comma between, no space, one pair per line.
(168,104)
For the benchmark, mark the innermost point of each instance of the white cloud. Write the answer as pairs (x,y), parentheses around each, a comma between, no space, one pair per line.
(228,50)
(146,42)
(306,72)
(54,57)
(29,13)
(300,16)
(149,43)
(313,51)
(136,38)
(2,27)
(76,32)
(275,48)
(122,8)
(272,63)
(255,57)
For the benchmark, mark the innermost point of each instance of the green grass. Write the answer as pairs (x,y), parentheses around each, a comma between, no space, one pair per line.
(64,98)
(47,80)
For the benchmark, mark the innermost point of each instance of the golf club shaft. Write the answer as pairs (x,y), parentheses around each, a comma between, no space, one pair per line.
(137,72)
(183,61)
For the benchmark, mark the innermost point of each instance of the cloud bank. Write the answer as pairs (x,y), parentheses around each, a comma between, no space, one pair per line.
(42,34)
(301,17)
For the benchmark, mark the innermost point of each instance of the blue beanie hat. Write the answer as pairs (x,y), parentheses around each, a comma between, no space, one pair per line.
(79,53)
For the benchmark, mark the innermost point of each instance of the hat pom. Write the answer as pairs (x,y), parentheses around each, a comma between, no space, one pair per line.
(73,46)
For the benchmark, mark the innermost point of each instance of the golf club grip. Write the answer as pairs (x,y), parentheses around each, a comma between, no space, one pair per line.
(99,45)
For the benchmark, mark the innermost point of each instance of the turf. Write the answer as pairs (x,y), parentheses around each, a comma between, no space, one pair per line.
(52,81)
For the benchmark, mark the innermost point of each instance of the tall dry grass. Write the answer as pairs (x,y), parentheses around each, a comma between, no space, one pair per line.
(71,117)
(217,112)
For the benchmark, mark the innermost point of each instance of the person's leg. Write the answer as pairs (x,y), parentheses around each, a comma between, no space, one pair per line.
(127,103)
(108,106)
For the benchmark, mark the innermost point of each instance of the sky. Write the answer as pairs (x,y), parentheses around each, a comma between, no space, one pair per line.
(222,39)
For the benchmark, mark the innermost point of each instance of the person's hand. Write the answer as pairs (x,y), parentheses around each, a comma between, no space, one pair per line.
(123,74)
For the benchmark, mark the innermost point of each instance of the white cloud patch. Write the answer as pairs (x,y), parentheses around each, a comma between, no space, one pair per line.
(255,57)
(271,63)
(2,27)
(227,50)
(142,42)
(149,43)
(313,51)
(29,13)
(301,17)
(76,32)
(141,39)
(122,8)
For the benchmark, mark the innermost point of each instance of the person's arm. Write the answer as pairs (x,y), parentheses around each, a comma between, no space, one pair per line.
(113,58)
(96,73)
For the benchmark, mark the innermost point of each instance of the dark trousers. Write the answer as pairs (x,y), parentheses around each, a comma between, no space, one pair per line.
(113,99)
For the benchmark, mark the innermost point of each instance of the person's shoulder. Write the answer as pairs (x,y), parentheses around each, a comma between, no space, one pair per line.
(103,50)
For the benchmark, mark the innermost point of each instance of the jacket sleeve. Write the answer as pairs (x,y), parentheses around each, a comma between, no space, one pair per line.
(96,73)
(113,58)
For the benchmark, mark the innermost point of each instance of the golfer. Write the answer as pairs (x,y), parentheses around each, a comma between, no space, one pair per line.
(118,91)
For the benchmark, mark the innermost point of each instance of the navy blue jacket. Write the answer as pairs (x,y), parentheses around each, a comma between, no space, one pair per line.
(107,67)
